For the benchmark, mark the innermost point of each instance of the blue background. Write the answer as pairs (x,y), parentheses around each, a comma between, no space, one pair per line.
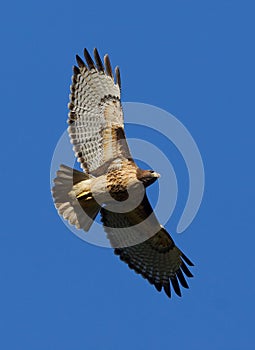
(192,58)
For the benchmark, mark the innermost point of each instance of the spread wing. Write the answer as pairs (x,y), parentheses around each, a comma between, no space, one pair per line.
(96,118)
(157,258)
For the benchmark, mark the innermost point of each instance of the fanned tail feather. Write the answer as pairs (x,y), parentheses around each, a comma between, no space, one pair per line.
(78,212)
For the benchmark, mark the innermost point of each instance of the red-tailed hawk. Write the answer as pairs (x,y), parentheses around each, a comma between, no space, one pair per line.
(111,178)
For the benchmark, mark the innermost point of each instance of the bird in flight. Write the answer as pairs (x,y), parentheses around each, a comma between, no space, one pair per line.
(111,183)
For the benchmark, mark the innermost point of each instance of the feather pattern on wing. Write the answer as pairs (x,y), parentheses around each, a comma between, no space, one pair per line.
(96,118)
(156,258)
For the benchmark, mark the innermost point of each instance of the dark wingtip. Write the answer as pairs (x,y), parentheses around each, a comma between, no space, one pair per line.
(76,70)
(186,259)
(99,63)
(108,66)
(88,59)
(158,286)
(175,285)
(117,74)
(80,62)
(182,279)
(186,270)
(167,289)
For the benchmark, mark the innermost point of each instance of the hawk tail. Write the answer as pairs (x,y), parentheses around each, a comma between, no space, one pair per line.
(68,205)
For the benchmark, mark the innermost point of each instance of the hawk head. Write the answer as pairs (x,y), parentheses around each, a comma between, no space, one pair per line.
(147,176)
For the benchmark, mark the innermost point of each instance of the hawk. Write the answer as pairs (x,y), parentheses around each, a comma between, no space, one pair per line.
(111,183)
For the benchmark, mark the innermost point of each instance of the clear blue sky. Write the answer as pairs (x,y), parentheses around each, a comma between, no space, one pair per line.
(192,58)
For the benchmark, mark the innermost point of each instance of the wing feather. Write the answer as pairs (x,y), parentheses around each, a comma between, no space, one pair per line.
(108,66)
(88,59)
(117,74)
(80,62)
(96,114)
(156,256)
(99,63)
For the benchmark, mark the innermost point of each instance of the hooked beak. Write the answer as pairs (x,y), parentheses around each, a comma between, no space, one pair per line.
(157,175)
